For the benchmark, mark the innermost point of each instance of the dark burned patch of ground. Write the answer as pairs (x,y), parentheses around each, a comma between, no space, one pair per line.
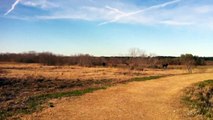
(16,94)
(2,71)
(25,96)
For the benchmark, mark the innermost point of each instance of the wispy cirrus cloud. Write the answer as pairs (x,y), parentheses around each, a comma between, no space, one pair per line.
(12,7)
(122,14)
(43,4)
(172,13)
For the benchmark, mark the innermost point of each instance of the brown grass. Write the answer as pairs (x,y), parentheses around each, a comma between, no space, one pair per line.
(150,100)
(199,99)
(19,81)
(17,70)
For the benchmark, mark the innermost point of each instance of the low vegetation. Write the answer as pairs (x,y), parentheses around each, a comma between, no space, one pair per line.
(139,79)
(35,103)
(25,88)
(24,95)
(199,98)
(27,95)
(135,58)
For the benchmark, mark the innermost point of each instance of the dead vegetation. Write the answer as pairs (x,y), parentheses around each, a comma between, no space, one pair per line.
(16,94)
(151,100)
(19,70)
(199,99)
(24,87)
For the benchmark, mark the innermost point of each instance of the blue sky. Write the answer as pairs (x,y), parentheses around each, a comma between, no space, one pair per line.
(107,27)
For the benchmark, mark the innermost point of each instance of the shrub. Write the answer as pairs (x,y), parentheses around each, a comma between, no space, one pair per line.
(199,98)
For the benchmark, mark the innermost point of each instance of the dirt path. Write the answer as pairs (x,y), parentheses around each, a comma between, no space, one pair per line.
(149,100)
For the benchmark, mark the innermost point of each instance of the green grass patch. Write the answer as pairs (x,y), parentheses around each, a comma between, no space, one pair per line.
(199,98)
(205,83)
(145,78)
(35,103)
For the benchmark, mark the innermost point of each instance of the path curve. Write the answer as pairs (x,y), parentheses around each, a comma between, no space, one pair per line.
(148,100)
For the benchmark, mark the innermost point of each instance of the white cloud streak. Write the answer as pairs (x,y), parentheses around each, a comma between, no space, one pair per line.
(115,10)
(172,13)
(43,4)
(175,23)
(12,7)
(123,14)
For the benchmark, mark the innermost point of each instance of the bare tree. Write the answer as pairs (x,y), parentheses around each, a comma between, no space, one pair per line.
(153,61)
(85,60)
(136,52)
(188,60)
(136,57)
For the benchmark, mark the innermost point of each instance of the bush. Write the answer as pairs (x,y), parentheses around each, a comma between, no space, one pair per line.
(200,98)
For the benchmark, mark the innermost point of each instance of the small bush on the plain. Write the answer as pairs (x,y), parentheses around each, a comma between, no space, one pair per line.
(199,98)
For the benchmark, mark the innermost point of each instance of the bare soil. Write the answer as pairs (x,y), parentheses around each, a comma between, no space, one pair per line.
(15,93)
(20,82)
(150,100)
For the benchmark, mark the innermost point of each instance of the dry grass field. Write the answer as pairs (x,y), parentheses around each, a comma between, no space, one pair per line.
(106,59)
(150,100)
(24,88)
(22,71)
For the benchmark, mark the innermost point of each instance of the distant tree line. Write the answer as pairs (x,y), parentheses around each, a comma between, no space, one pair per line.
(48,58)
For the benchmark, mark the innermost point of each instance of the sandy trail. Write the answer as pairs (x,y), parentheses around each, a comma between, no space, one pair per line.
(149,100)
